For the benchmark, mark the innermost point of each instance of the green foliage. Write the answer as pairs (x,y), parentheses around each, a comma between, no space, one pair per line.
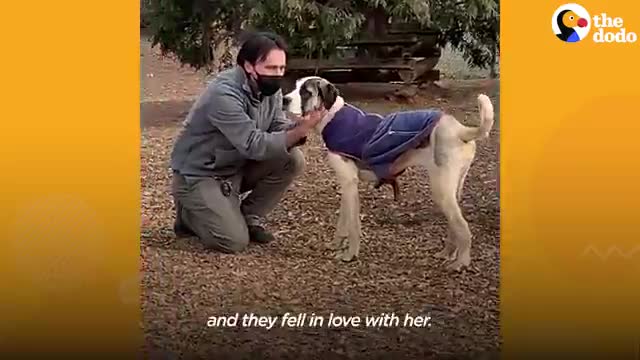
(190,29)
(471,26)
(314,28)
(311,28)
(145,6)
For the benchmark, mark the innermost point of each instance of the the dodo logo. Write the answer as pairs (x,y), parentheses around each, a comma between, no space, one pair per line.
(572,23)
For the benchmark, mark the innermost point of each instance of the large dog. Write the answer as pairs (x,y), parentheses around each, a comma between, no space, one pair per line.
(377,148)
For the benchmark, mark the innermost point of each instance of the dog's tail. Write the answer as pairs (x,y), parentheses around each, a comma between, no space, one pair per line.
(485,108)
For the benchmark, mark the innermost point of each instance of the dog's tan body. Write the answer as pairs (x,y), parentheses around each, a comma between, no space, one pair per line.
(447,157)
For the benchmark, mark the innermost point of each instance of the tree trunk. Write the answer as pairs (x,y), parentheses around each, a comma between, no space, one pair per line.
(494,63)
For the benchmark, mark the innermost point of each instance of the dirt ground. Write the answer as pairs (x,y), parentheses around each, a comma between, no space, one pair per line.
(396,273)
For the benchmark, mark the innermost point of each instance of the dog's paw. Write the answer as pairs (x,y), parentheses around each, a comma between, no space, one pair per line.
(447,254)
(336,243)
(346,256)
(457,266)
(332,245)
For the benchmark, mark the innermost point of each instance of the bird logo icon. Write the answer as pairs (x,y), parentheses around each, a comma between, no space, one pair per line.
(571,23)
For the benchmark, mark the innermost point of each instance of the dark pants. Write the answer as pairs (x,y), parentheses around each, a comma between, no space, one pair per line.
(221,221)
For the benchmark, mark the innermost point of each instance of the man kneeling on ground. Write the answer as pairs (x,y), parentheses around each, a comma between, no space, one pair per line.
(236,138)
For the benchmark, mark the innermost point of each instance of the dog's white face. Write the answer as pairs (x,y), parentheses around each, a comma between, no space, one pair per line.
(311,93)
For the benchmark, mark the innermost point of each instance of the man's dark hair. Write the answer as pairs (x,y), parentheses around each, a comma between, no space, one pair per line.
(257,46)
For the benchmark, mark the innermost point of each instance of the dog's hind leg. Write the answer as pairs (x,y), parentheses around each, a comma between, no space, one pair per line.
(450,249)
(463,177)
(468,156)
(444,185)
(449,252)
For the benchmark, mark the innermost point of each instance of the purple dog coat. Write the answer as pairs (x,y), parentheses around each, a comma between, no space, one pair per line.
(376,140)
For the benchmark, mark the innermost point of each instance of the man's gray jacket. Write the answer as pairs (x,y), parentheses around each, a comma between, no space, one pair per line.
(229,125)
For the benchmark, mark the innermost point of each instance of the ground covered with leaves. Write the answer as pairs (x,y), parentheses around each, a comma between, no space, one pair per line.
(183,285)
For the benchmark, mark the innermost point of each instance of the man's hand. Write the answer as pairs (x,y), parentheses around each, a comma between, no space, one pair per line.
(312,119)
(304,125)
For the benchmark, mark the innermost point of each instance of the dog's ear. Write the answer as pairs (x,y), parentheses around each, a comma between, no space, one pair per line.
(329,94)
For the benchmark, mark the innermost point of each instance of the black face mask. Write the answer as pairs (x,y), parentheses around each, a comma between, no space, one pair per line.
(269,84)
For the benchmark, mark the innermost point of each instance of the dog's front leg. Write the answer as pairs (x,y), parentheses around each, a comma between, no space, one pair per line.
(342,231)
(349,214)
(351,208)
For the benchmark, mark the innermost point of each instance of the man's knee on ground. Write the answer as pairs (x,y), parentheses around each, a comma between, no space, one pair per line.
(230,243)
